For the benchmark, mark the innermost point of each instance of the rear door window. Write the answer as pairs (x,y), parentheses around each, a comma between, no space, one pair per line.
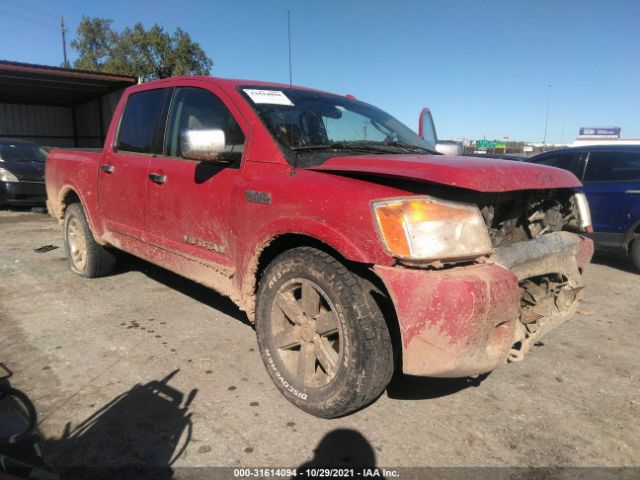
(612,167)
(139,124)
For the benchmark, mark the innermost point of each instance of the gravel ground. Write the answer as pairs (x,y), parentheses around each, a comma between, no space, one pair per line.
(146,368)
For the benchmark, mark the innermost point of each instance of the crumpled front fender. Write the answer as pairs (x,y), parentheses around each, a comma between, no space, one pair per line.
(465,320)
(455,322)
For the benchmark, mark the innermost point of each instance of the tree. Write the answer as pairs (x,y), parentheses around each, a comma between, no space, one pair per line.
(149,54)
(94,43)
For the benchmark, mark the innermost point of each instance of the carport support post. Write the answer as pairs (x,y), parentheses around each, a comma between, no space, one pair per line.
(74,126)
(101,121)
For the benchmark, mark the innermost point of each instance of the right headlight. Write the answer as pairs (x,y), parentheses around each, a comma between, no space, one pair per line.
(428,229)
(7,176)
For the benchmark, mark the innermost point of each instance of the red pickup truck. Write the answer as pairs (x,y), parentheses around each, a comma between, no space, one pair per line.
(355,248)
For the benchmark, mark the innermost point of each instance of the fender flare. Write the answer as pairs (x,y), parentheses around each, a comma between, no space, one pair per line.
(60,208)
(311,227)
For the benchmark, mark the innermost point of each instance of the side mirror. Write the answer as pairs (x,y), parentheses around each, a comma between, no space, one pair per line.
(205,145)
(427,127)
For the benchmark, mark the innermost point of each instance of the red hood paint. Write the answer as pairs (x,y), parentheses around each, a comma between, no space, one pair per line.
(473,173)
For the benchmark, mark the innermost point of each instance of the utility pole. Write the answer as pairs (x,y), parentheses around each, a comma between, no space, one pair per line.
(64,42)
(546,120)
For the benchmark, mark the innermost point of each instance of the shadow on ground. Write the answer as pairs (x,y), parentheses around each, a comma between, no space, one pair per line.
(138,434)
(200,293)
(340,448)
(617,261)
(407,387)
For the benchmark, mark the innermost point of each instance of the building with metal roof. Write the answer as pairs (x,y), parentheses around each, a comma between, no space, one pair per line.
(58,107)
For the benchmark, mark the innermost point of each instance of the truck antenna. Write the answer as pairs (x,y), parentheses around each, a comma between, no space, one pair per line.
(289,35)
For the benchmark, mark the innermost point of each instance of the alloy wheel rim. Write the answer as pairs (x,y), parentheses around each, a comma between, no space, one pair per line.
(307,333)
(77,244)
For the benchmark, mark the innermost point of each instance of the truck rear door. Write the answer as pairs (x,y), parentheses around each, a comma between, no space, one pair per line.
(612,185)
(123,180)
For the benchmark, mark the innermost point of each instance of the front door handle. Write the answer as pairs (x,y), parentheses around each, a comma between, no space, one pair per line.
(157,178)
(107,168)
(633,192)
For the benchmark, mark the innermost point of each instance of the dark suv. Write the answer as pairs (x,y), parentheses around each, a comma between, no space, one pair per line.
(611,178)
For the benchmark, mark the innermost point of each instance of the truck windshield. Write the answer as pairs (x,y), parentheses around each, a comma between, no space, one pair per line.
(308,122)
(21,152)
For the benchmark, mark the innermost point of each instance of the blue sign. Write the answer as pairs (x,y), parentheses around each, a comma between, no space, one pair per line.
(612,132)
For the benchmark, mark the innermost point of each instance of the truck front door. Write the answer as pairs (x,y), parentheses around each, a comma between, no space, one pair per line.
(123,182)
(190,203)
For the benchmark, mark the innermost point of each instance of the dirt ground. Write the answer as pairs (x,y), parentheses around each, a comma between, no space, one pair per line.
(144,367)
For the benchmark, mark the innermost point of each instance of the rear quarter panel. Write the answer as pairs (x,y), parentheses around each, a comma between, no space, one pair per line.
(73,171)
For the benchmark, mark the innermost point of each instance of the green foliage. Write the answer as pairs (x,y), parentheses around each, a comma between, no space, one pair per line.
(94,43)
(149,54)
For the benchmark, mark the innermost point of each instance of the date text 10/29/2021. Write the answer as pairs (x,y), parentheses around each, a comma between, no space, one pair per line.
(314,472)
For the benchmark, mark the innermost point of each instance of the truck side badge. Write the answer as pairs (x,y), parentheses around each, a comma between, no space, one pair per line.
(257,197)
(198,242)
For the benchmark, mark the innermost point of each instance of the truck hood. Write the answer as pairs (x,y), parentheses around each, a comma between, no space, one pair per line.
(472,173)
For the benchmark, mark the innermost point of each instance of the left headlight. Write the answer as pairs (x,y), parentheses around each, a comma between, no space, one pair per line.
(7,176)
(428,229)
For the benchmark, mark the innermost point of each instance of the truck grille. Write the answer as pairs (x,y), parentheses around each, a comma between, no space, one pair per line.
(519,216)
(518,234)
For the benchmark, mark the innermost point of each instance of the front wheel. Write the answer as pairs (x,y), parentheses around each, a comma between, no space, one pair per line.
(322,337)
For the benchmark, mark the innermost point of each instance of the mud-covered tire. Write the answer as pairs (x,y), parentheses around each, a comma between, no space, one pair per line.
(634,253)
(85,256)
(364,362)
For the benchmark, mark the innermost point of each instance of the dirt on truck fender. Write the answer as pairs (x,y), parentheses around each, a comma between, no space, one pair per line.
(353,245)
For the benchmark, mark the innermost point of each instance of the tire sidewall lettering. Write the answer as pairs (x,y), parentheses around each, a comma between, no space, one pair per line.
(287,386)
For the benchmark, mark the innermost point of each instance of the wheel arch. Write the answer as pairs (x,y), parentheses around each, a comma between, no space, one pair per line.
(287,241)
(630,236)
(266,251)
(69,195)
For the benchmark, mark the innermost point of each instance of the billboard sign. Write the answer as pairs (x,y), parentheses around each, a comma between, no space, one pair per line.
(606,132)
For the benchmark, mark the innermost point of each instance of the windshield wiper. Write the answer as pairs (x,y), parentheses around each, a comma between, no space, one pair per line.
(328,146)
(408,146)
(356,146)
(365,146)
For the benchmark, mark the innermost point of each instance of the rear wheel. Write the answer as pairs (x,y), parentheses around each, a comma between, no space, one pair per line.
(86,257)
(322,337)
(634,253)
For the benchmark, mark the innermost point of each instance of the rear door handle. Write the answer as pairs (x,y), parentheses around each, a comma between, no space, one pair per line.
(633,192)
(107,168)
(157,178)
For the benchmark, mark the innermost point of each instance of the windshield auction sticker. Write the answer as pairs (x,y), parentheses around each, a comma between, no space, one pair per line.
(273,97)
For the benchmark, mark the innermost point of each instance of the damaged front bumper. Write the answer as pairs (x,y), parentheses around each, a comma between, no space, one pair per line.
(469,320)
